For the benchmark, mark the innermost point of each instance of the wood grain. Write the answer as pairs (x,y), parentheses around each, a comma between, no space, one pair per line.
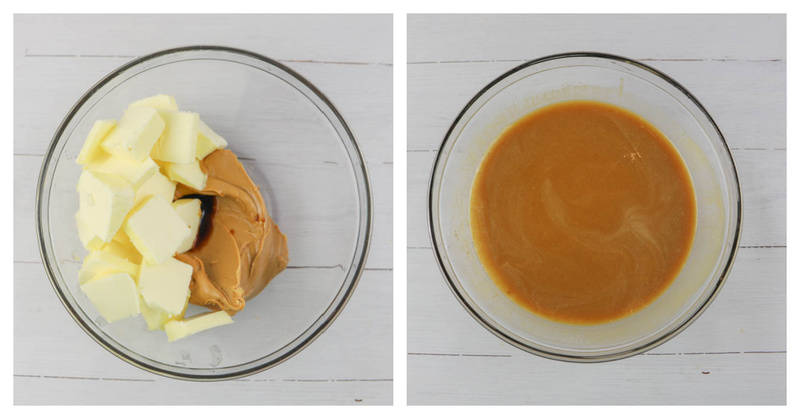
(364,106)
(735,353)
(349,39)
(446,38)
(748,315)
(755,118)
(691,379)
(364,328)
(348,57)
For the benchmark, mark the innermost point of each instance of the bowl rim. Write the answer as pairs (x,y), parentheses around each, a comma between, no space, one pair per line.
(359,258)
(509,338)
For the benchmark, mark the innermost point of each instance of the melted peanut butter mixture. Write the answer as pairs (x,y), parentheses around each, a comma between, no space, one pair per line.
(242,249)
(582,212)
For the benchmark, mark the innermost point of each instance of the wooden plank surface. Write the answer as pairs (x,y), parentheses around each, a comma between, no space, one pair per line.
(735,353)
(349,58)
(361,39)
(445,38)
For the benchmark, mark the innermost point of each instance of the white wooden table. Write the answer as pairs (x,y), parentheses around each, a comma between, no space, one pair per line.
(736,351)
(56,59)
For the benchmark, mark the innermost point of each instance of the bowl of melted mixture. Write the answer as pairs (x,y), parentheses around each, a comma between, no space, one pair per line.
(584,207)
(290,161)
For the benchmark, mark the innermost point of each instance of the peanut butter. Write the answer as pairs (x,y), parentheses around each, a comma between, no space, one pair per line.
(241,249)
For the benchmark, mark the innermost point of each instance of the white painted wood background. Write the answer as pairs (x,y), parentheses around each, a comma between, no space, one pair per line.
(56,58)
(735,353)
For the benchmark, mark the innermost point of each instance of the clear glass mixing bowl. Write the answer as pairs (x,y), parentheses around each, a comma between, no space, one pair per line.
(627,84)
(298,150)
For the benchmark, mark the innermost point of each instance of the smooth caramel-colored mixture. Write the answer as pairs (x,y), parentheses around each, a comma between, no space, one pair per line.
(582,212)
(243,249)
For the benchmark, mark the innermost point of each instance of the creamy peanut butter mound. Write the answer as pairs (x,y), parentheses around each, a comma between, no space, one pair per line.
(242,249)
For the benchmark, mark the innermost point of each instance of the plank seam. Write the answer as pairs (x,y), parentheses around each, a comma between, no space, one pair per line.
(284,60)
(434,150)
(522,60)
(459,354)
(293,380)
(647,353)
(769,246)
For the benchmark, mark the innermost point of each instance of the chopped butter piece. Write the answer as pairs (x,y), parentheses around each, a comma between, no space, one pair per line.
(156,230)
(104,201)
(104,262)
(90,240)
(121,245)
(157,184)
(161,102)
(137,132)
(190,174)
(134,171)
(165,286)
(178,142)
(190,212)
(178,329)
(208,140)
(114,296)
(156,318)
(91,147)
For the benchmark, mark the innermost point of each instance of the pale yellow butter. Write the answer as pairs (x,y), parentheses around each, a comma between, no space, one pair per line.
(157,184)
(161,102)
(155,318)
(190,211)
(114,296)
(165,286)
(137,132)
(178,142)
(106,261)
(90,240)
(134,171)
(178,329)
(91,147)
(188,174)
(104,202)
(208,141)
(156,230)
(121,245)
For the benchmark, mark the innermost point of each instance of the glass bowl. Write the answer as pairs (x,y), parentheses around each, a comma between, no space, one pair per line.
(627,84)
(298,150)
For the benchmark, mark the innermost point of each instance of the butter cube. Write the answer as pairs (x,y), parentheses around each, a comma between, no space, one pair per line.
(114,296)
(104,202)
(156,230)
(121,245)
(90,240)
(156,318)
(178,329)
(91,147)
(208,141)
(190,174)
(190,212)
(122,238)
(157,184)
(134,171)
(161,102)
(137,132)
(178,142)
(104,262)
(165,286)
